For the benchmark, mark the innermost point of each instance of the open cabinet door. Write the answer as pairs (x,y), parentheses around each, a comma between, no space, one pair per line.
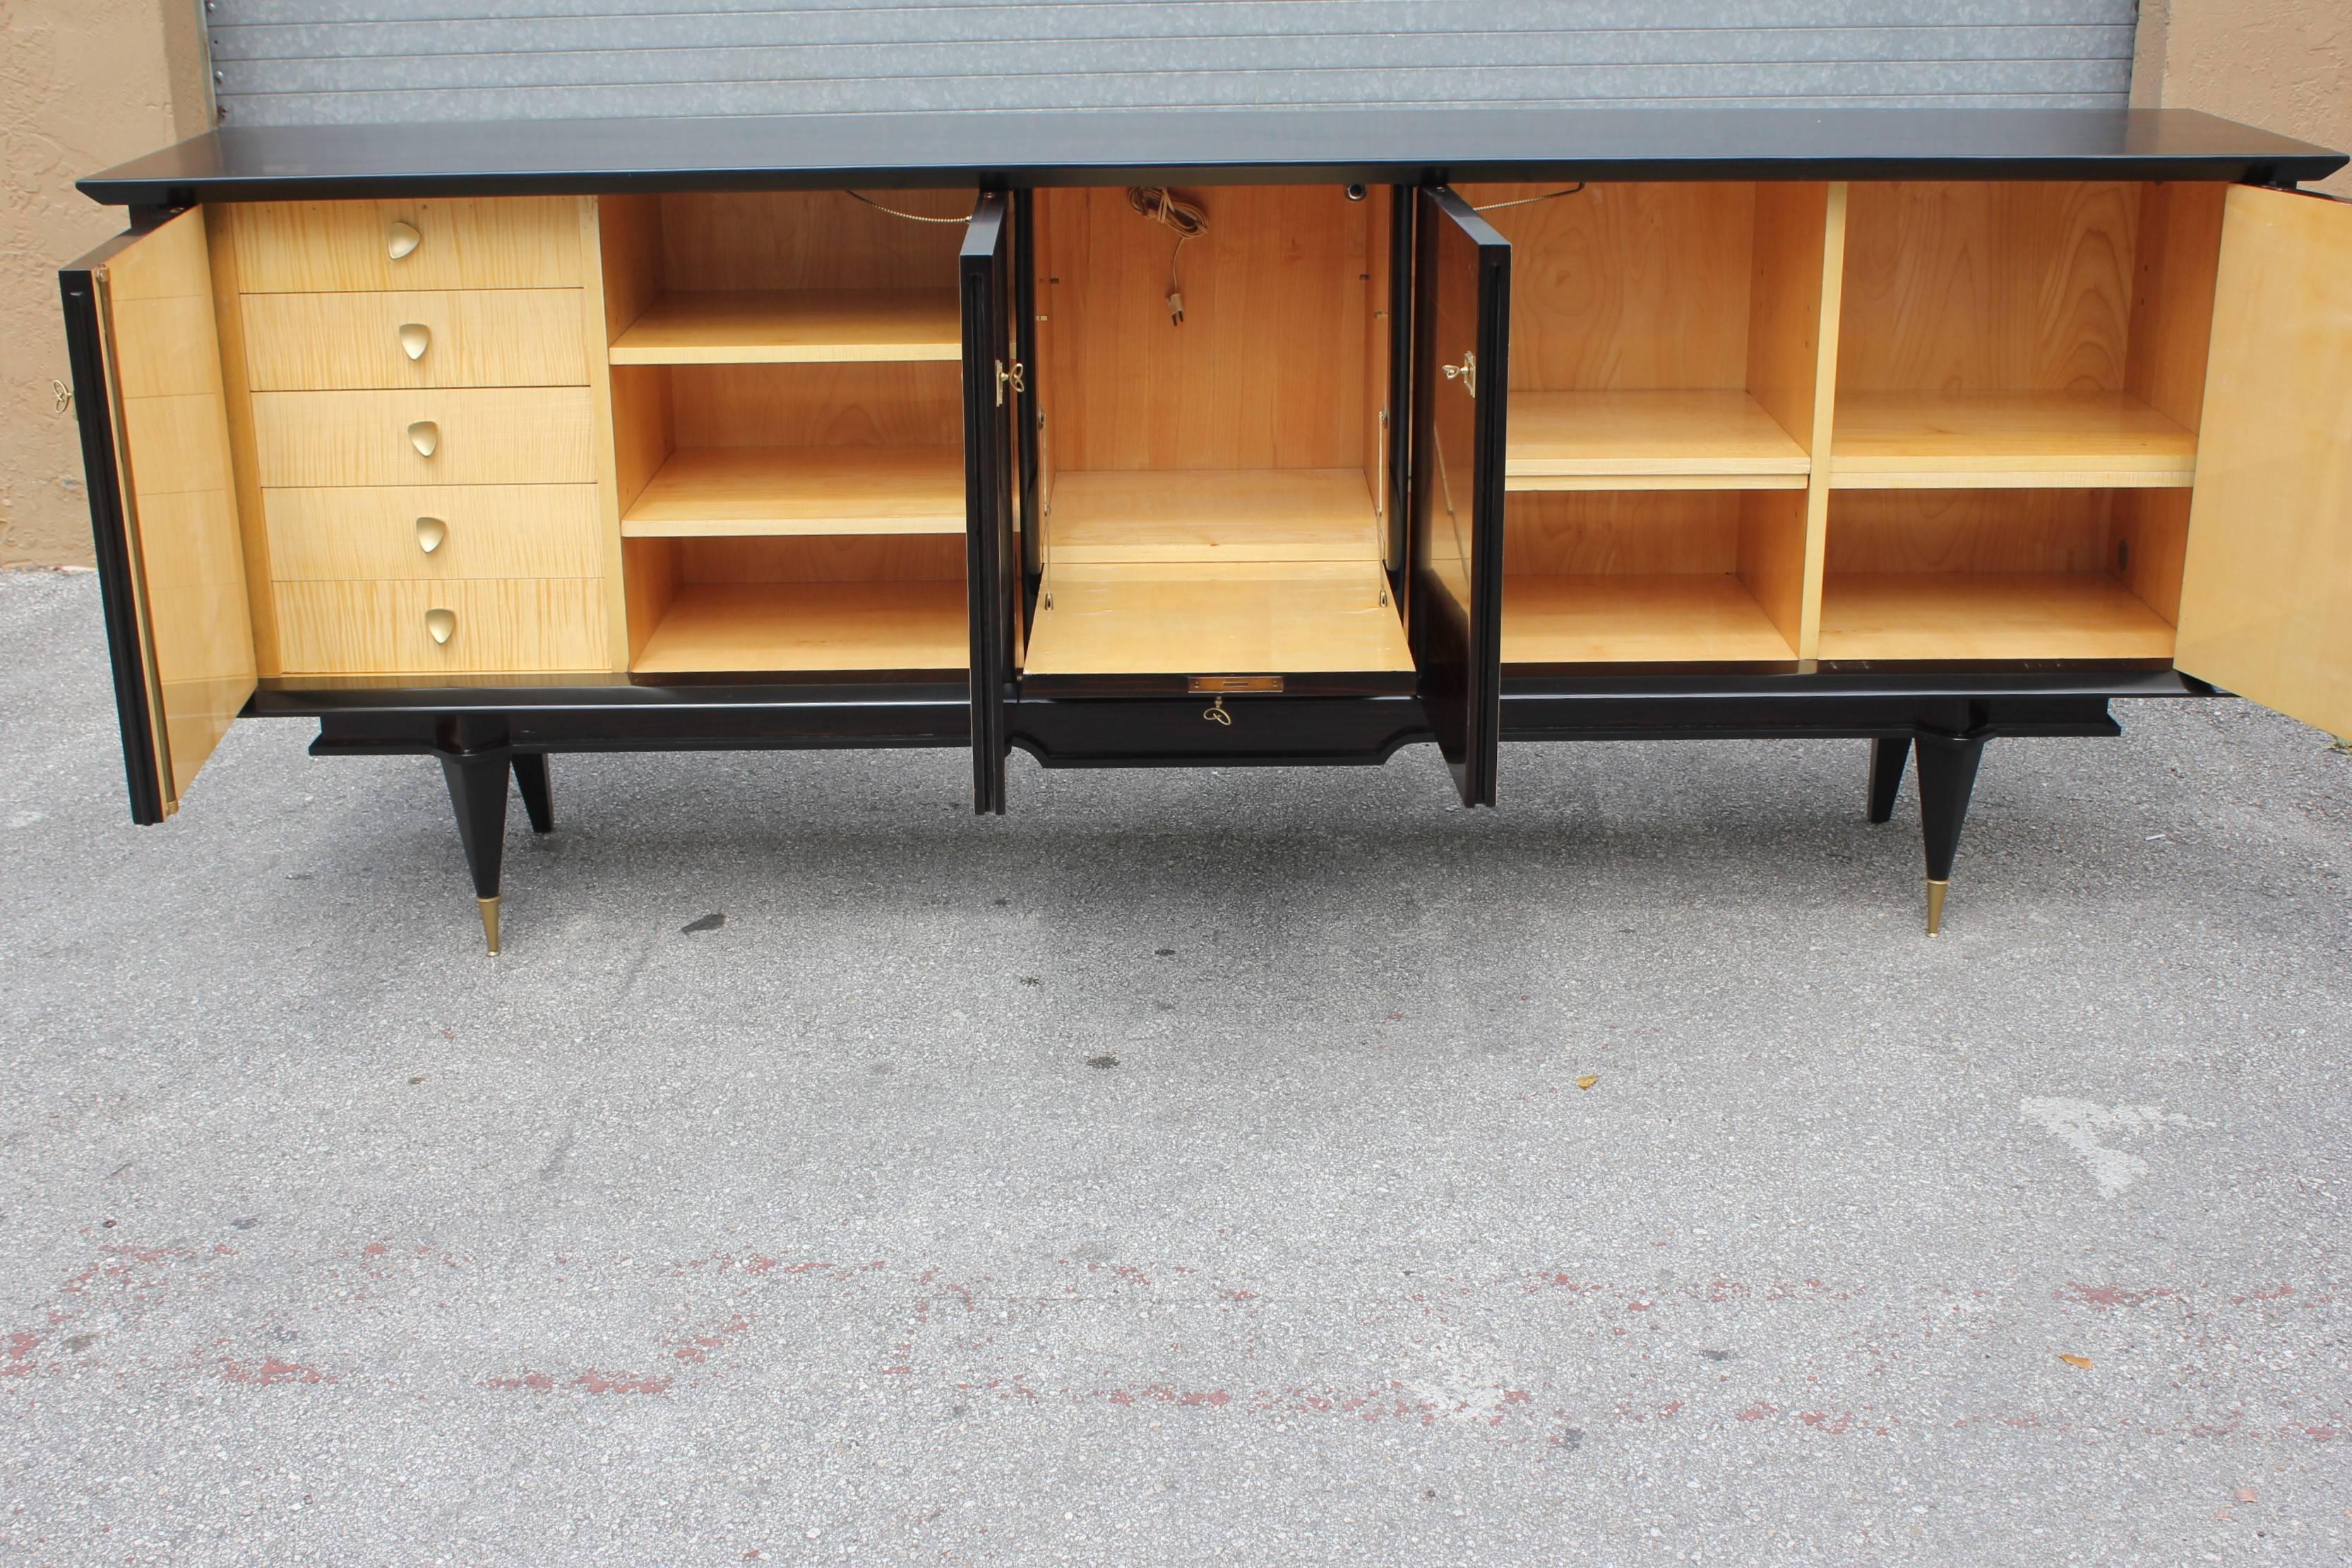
(2266,591)
(993,378)
(146,356)
(1462,320)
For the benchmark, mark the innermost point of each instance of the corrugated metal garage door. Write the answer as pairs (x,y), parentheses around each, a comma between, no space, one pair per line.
(295,62)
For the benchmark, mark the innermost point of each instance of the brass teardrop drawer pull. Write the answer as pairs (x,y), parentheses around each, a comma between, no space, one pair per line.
(441,626)
(415,337)
(430,532)
(426,436)
(400,239)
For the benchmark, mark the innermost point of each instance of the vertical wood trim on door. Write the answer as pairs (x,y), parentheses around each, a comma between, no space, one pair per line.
(593,329)
(1808,639)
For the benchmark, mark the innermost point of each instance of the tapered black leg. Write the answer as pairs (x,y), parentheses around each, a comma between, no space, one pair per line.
(1886,760)
(477,787)
(1948,773)
(538,794)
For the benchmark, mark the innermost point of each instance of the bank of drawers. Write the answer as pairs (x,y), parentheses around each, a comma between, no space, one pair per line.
(424,434)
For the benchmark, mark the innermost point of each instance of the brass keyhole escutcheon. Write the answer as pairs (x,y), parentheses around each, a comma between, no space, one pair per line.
(415,337)
(426,436)
(441,626)
(400,239)
(1466,373)
(430,532)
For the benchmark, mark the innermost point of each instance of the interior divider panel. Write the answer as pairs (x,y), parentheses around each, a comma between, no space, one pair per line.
(1713,438)
(1941,441)
(1230,618)
(1205,515)
(808,326)
(809,626)
(770,490)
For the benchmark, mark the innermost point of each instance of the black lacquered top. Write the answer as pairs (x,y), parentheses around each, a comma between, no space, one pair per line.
(1205,146)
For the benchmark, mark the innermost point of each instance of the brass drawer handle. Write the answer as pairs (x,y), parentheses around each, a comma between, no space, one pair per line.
(441,626)
(401,239)
(415,337)
(426,436)
(430,532)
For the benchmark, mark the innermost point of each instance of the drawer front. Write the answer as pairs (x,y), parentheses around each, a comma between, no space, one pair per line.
(523,435)
(499,242)
(352,533)
(387,628)
(445,337)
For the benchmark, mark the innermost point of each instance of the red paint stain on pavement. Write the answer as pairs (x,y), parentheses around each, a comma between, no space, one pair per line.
(697,1348)
(1759,1412)
(2112,1295)
(591,1381)
(270,1371)
(1821,1421)
(525,1381)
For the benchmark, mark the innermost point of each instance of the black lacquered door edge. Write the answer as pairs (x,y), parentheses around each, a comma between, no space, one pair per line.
(1461,295)
(111,530)
(989,402)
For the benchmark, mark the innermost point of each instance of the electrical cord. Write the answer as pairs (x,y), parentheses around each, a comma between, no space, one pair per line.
(1189,221)
(1524,201)
(910,217)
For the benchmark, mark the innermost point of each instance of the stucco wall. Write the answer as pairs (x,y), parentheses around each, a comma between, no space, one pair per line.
(83,84)
(2283,65)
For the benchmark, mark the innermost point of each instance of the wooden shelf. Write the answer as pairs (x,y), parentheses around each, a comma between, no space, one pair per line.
(794,327)
(1655,618)
(1664,439)
(1212,515)
(710,491)
(1988,615)
(1932,441)
(793,626)
(1246,618)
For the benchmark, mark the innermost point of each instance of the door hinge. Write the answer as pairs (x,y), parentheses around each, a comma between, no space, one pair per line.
(1466,373)
(62,395)
(1017,376)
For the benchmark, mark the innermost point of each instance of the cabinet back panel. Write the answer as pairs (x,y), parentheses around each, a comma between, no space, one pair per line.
(1627,286)
(1968,531)
(841,558)
(1267,370)
(858,404)
(1969,286)
(2178,254)
(1579,533)
(810,239)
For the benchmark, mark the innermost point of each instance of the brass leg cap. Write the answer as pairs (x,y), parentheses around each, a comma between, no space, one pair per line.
(491,923)
(1936,891)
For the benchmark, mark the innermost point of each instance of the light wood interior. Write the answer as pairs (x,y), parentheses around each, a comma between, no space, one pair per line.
(2002,574)
(1214,499)
(1670,352)
(1288,618)
(779,605)
(2030,333)
(1662,333)
(788,429)
(798,276)
(1907,391)
(1652,576)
